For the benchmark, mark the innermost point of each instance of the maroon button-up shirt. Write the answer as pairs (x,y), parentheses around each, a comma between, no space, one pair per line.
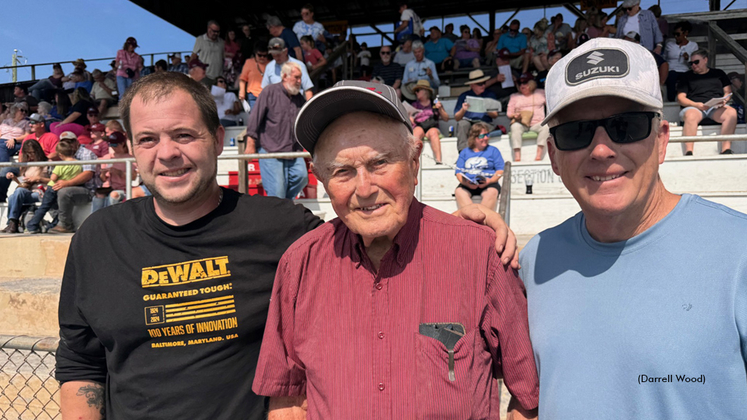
(348,337)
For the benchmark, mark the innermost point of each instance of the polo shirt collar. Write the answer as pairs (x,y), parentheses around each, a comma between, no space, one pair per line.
(404,243)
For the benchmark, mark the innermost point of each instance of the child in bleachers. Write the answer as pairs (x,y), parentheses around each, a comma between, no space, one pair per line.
(311,56)
(66,152)
(98,146)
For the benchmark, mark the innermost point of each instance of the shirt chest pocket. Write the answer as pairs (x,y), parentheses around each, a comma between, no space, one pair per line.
(438,394)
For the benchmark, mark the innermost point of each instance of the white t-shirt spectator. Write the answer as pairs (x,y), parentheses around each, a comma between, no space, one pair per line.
(632,24)
(365,57)
(224,101)
(675,55)
(417,25)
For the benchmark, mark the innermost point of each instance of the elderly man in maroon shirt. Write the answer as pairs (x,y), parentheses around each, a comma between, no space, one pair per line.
(394,310)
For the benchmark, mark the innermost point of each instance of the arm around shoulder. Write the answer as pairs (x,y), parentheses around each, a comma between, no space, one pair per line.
(287,408)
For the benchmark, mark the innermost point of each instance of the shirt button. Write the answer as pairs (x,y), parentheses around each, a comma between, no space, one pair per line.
(381,386)
(381,335)
(378,286)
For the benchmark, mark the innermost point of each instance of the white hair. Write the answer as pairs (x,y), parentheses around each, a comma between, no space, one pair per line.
(418,45)
(288,67)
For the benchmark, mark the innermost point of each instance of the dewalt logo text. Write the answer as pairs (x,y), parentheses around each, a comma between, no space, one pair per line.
(185,272)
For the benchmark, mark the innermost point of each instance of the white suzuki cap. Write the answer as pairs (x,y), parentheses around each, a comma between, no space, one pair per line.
(603,67)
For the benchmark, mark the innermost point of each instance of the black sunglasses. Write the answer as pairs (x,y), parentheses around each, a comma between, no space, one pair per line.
(385,53)
(629,127)
(677,33)
(627,9)
(690,63)
(261,55)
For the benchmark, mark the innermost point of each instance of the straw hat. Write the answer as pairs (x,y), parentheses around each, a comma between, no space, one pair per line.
(423,84)
(476,76)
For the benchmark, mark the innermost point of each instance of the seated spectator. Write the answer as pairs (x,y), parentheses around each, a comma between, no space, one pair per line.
(228,106)
(490,46)
(425,122)
(308,27)
(277,30)
(497,82)
(449,32)
(737,83)
(12,131)
(479,167)
(62,106)
(112,73)
(364,60)
(537,50)
(44,88)
(76,119)
(526,110)
(552,58)
(661,63)
(176,63)
(112,126)
(60,175)
(128,63)
(643,22)
(466,50)
(579,29)
(79,81)
(312,56)
(698,86)
(562,33)
(516,43)
(466,119)
(161,66)
(114,176)
(103,92)
(677,52)
(68,193)
(598,27)
(477,35)
(250,81)
(404,54)
(197,71)
(29,179)
(144,70)
(47,140)
(45,109)
(420,68)
(276,47)
(21,94)
(98,144)
(439,49)
(388,72)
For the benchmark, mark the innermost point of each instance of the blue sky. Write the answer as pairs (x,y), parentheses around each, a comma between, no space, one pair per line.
(51,31)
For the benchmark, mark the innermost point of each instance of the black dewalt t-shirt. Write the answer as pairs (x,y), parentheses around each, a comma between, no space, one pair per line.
(171,318)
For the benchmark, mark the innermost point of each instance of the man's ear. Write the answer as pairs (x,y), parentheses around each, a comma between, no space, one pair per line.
(551,152)
(220,133)
(662,140)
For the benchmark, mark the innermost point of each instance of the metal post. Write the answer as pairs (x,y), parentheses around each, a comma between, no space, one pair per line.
(14,64)
(33,72)
(243,171)
(128,177)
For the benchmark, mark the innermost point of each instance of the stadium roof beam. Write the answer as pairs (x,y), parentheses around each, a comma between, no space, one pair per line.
(469,15)
(574,10)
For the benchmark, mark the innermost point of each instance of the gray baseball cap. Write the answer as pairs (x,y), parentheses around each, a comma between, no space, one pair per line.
(276,45)
(603,67)
(343,98)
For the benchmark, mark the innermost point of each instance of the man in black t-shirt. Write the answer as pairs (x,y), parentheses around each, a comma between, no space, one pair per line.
(164,298)
(388,72)
(694,89)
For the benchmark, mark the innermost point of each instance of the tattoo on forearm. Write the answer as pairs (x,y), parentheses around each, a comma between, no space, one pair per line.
(94,396)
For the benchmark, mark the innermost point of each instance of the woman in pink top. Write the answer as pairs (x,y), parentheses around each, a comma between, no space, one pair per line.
(526,110)
(127,63)
(231,59)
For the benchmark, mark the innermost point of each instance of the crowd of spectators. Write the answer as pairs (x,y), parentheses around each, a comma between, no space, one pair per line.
(509,68)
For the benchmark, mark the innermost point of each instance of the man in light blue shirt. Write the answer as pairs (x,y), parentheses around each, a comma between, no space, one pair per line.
(516,44)
(272,75)
(439,50)
(420,68)
(638,304)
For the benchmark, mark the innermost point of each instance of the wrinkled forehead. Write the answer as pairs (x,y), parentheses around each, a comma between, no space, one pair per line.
(356,129)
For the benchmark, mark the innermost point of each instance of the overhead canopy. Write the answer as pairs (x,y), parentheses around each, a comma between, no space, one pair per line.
(232,13)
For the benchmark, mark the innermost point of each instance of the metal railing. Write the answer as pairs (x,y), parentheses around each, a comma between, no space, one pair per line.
(28,389)
(504,201)
(35,65)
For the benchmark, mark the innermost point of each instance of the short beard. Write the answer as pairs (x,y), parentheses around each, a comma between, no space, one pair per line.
(293,90)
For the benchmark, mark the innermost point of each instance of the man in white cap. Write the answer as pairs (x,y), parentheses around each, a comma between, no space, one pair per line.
(637,309)
(376,315)
(642,22)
